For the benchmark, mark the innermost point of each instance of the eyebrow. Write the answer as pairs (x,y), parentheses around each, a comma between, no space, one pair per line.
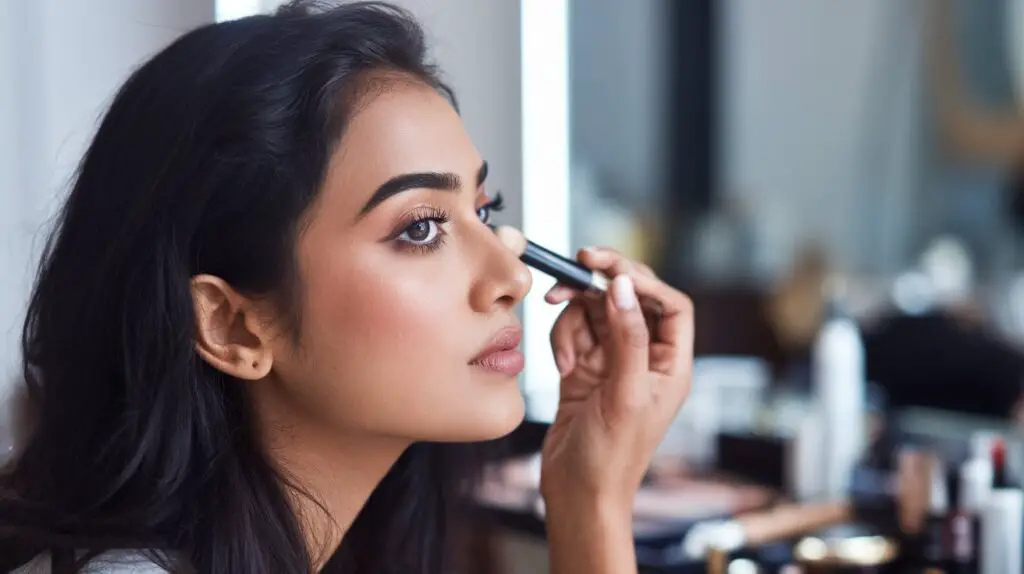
(426,180)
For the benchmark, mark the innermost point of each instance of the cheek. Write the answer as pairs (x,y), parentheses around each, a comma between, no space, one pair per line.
(385,340)
(392,312)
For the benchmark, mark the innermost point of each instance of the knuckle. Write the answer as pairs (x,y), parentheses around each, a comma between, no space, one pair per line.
(558,332)
(684,303)
(645,269)
(557,339)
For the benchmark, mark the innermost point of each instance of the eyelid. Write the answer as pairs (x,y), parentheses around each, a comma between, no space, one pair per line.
(418,214)
(494,202)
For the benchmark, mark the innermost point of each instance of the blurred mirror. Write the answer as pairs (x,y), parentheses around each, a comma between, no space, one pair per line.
(751,150)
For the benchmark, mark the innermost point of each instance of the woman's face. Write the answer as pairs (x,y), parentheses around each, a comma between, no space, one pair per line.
(404,286)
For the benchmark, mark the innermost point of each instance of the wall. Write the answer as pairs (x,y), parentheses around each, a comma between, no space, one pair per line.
(12,261)
(477,46)
(618,92)
(820,126)
(65,59)
(68,57)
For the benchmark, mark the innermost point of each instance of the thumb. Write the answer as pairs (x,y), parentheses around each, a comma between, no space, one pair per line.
(629,338)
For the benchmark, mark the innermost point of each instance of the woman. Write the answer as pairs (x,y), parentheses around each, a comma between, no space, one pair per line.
(271,299)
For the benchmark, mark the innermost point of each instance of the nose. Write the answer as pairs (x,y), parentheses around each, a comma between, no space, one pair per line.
(502,280)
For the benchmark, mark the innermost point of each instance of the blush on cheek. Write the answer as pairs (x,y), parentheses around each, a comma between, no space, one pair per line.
(388,339)
(391,306)
(379,312)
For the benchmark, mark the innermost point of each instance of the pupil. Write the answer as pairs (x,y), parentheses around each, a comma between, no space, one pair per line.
(419,231)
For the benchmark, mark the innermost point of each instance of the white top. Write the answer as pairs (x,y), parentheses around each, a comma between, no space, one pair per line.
(120,562)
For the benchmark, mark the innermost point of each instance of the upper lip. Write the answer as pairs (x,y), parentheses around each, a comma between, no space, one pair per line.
(504,340)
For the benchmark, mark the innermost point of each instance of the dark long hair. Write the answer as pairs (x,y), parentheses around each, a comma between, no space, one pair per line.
(206,161)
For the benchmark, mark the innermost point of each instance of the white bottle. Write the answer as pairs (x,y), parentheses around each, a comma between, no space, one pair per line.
(1001,532)
(976,477)
(840,387)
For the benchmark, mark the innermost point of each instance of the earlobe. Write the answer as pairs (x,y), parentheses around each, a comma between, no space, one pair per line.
(228,334)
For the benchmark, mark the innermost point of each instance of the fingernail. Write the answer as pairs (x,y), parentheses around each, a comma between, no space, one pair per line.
(623,292)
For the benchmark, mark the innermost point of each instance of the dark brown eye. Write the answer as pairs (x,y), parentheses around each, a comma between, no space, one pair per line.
(420,232)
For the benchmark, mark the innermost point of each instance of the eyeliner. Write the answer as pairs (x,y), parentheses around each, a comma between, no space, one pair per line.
(564,270)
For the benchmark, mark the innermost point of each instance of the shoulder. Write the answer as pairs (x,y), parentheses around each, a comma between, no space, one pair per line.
(114,562)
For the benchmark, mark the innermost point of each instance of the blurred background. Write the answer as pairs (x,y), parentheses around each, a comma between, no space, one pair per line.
(837,184)
(752,150)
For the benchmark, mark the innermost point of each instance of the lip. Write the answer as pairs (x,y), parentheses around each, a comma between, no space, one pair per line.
(501,355)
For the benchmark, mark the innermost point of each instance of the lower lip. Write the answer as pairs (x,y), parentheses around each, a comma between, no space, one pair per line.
(508,363)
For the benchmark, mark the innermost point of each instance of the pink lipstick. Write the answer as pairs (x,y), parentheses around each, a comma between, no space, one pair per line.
(502,355)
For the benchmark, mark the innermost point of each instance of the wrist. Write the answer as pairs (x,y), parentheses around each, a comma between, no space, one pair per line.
(605,494)
(589,534)
(593,505)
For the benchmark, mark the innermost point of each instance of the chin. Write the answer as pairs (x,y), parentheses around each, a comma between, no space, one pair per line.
(491,417)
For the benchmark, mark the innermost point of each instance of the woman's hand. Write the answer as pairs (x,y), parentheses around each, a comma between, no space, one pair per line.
(625,372)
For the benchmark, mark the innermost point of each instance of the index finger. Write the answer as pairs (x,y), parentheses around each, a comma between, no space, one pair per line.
(675,325)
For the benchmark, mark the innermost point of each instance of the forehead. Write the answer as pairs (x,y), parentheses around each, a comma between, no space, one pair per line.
(407,127)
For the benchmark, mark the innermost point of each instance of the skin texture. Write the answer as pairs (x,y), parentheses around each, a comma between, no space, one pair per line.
(388,329)
(389,332)
(624,376)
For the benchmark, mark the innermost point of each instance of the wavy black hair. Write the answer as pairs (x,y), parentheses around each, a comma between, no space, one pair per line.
(206,161)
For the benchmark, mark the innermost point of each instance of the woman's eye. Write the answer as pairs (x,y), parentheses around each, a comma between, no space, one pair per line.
(421,232)
(484,212)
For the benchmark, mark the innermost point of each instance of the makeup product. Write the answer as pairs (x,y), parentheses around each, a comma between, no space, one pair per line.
(913,486)
(970,491)
(806,473)
(1001,477)
(935,544)
(845,550)
(757,528)
(1002,522)
(715,561)
(976,478)
(840,390)
(744,566)
(564,270)
(981,442)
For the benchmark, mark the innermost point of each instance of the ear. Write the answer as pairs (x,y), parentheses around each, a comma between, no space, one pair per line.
(231,334)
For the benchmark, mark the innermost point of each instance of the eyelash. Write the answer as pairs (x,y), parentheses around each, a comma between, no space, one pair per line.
(496,204)
(440,217)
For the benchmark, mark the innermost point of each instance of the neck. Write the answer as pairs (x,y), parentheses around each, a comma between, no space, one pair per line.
(332,476)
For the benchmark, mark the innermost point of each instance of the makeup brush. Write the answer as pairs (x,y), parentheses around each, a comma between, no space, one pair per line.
(564,270)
